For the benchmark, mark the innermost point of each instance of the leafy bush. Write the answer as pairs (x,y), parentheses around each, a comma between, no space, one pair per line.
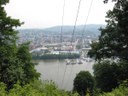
(120,91)
(84,83)
(36,88)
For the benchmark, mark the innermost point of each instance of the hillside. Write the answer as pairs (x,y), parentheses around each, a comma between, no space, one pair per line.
(92,29)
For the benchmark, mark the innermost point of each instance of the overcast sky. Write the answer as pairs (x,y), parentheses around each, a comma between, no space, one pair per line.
(47,13)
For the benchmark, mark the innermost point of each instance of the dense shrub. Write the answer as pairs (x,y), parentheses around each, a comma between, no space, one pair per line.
(36,88)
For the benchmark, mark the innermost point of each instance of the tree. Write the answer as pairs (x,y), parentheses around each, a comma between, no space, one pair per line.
(8,59)
(120,91)
(28,66)
(83,82)
(113,42)
(12,66)
(106,75)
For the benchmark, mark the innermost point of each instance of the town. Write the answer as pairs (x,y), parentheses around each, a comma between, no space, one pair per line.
(45,45)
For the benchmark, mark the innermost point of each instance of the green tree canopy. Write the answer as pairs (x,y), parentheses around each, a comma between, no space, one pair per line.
(83,82)
(28,67)
(112,44)
(106,75)
(113,41)
(14,66)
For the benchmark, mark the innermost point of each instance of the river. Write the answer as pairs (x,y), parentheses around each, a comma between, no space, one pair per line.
(62,74)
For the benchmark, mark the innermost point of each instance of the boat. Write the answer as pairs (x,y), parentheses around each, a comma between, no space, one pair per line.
(79,61)
(90,60)
(67,61)
(73,61)
(87,59)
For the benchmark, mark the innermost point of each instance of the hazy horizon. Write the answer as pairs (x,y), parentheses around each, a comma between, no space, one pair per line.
(59,26)
(48,13)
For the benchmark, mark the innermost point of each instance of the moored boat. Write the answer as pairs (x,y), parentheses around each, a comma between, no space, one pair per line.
(79,61)
(67,61)
(73,61)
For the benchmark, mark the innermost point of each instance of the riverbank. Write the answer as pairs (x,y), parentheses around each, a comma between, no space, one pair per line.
(55,56)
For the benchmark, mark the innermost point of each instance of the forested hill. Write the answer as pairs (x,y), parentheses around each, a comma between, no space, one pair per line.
(67,30)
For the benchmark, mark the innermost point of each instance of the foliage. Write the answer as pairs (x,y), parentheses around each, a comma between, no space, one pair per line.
(15,61)
(106,75)
(123,71)
(83,83)
(9,72)
(28,67)
(112,45)
(121,91)
(113,41)
(36,88)
(2,89)
(110,72)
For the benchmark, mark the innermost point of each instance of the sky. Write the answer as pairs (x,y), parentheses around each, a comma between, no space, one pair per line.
(48,13)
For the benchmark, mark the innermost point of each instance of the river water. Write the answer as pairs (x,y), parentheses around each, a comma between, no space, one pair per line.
(62,74)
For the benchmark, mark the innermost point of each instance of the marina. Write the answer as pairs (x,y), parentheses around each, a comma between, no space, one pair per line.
(78,61)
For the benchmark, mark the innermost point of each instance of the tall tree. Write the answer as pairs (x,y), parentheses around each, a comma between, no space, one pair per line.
(12,67)
(28,67)
(8,48)
(113,41)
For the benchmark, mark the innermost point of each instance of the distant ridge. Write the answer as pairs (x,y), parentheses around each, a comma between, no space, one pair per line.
(90,29)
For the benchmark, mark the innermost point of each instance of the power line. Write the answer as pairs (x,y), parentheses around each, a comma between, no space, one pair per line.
(69,75)
(85,24)
(64,75)
(73,36)
(75,22)
(62,22)
(84,29)
(61,31)
(89,10)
